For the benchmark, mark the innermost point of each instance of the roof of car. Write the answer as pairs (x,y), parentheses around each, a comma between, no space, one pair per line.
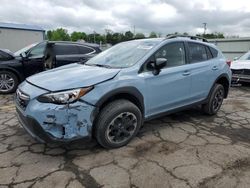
(20,26)
(79,43)
(196,39)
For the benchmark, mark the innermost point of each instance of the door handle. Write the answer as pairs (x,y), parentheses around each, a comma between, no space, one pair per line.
(215,68)
(186,73)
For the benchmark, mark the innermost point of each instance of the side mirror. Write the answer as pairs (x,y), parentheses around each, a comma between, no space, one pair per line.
(157,65)
(23,55)
(160,63)
(236,58)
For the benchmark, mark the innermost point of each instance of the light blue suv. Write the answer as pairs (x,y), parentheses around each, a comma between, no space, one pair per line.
(111,96)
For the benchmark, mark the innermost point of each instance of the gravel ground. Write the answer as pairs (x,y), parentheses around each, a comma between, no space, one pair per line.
(186,149)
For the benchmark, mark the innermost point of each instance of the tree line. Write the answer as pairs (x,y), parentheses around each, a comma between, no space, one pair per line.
(62,34)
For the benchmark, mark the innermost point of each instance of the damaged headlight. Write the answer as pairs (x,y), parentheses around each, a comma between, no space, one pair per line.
(64,97)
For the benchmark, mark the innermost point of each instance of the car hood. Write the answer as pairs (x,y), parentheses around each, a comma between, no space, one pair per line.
(240,64)
(7,52)
(72,76)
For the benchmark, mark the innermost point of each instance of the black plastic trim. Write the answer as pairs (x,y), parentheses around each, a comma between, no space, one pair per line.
(123,90)
(221,76)
(7,68)
(175,110)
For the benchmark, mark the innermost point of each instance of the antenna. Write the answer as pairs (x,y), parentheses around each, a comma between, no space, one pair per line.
(205,27)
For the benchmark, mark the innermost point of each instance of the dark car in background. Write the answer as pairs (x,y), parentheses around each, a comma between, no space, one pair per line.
(15,67)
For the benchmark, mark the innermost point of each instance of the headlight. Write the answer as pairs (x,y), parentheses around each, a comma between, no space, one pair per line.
(64,97)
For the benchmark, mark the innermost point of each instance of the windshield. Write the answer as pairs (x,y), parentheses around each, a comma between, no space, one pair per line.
(124,54)
(25,49)
(246,56)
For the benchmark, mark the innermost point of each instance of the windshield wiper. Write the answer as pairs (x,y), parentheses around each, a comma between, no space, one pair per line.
(99,65)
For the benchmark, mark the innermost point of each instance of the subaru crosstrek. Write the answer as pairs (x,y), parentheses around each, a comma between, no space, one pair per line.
(110,96)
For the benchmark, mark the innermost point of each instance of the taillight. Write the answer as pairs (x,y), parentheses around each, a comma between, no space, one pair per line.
(228,63)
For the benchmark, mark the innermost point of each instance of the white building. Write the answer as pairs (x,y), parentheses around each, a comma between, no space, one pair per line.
(232,47)
(16,36)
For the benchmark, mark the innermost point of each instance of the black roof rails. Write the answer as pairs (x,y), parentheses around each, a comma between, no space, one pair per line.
(188,36)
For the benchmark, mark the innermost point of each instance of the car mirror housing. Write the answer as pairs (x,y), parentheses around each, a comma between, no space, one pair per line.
(236,58)
(160,63)
(23,55)
(157,65)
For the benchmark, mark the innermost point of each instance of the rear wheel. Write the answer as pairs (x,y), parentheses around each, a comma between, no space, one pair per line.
(215,100)
(8,82)
(117,124)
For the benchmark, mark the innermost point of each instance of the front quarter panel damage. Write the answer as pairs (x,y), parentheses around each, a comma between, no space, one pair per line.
(63,122)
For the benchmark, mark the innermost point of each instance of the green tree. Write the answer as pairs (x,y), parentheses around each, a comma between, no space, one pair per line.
(212,35)
(139,36)
(49,35)
(128,35)
(75,36)
(96,38)
(153,35)
(117,37)
(58,34)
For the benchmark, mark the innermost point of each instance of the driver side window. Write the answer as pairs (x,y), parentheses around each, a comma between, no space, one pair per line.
(37,51)
(174,53)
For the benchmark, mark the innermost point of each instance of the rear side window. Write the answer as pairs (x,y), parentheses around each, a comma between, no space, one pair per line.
(65,49)
(85,49)
(214,52)
(197,53)
(209,54)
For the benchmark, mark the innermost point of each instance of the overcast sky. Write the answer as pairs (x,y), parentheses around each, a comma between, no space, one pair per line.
(232,17)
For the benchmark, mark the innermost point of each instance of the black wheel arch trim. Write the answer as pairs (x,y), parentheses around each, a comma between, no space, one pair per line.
(224,75)
(123,90)
(18,74)
(132,91)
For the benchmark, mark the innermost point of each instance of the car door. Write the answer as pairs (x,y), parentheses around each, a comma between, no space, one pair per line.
(34,60)
(66,54)
(169,89)
(202,66)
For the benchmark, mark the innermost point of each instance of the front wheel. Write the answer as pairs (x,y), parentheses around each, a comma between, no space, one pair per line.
(117,124)
(215,100)
(8,82)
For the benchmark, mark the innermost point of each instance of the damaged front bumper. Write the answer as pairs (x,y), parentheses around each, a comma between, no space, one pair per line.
(237,78)
(48,122)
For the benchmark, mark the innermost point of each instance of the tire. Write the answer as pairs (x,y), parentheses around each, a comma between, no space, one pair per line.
(8,82)
(215,100)
(117,124)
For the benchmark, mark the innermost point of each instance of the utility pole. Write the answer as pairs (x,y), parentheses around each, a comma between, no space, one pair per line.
(205,27)
(134,30)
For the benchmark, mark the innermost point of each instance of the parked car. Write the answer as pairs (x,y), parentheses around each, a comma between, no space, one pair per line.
(241,69)
(111,95)
(14,68)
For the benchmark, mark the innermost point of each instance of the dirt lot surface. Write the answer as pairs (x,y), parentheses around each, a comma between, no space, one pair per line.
(187,149)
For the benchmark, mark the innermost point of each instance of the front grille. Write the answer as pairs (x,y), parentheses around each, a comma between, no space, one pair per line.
(22,99)
(241,71)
